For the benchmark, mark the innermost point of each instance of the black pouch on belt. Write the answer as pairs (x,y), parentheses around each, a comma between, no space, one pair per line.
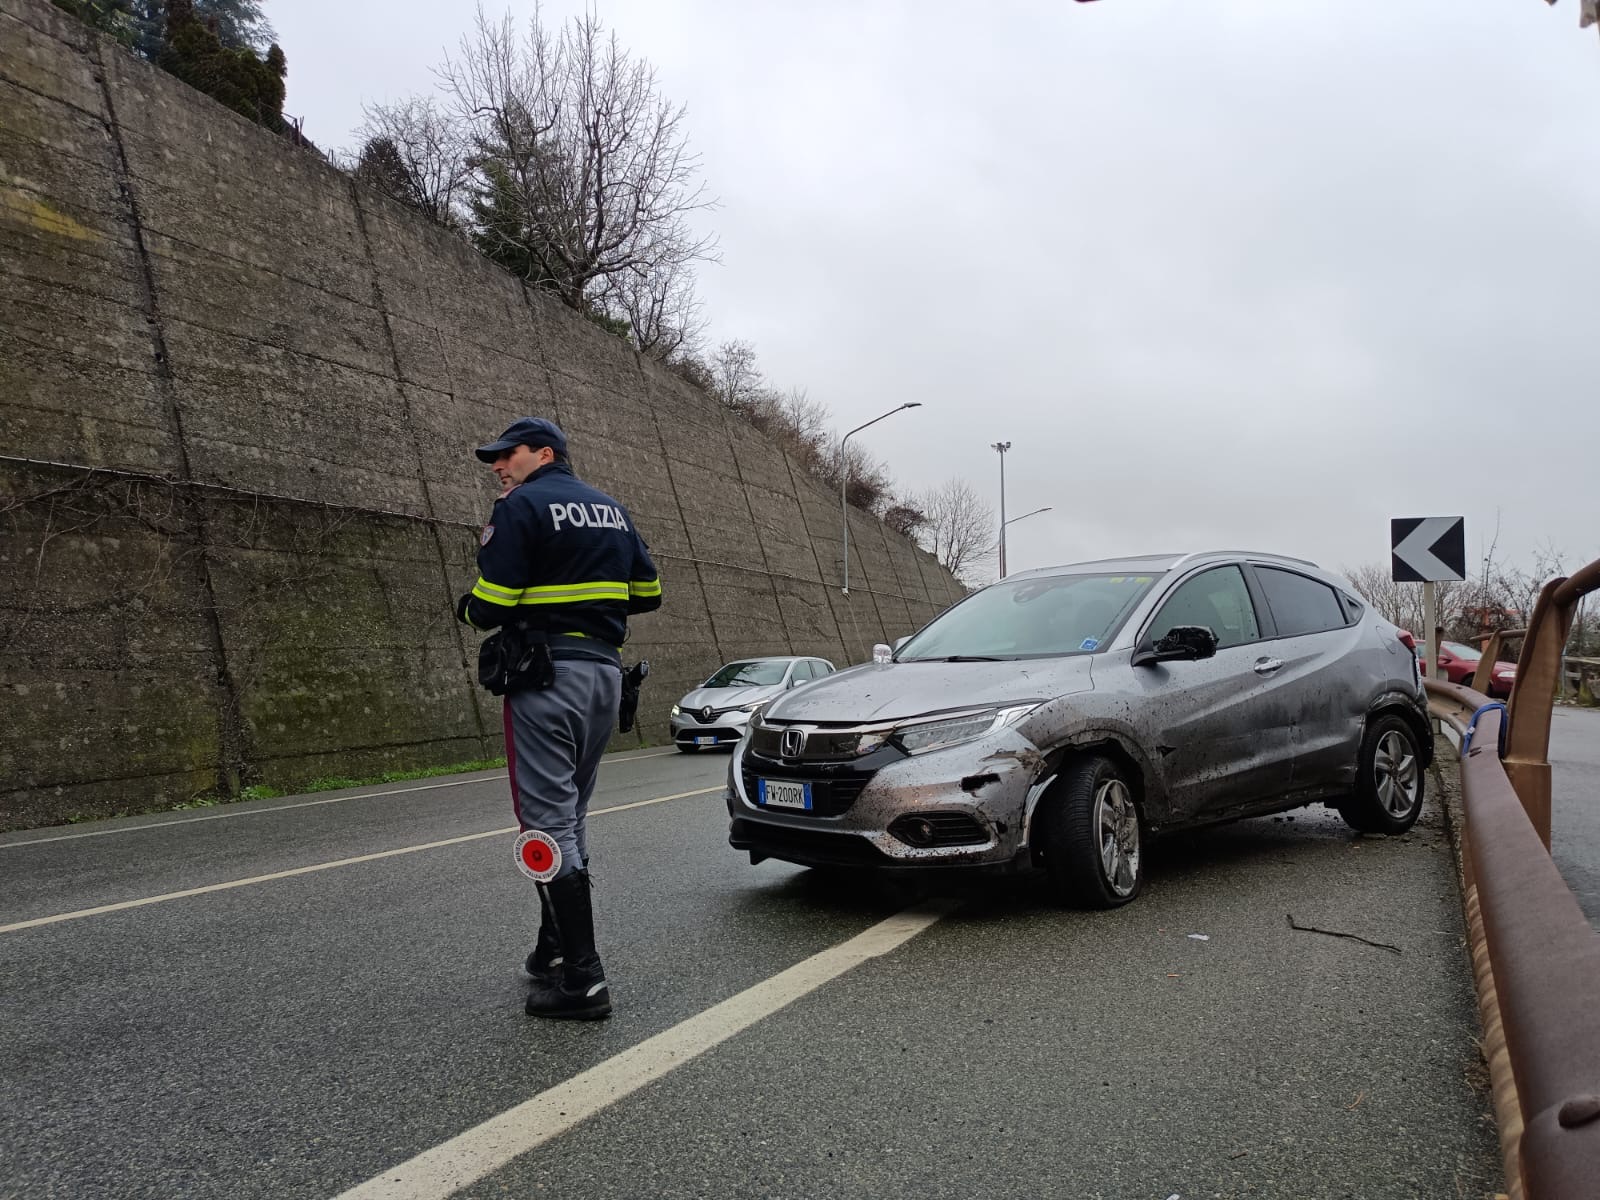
(632,678)
(515,658)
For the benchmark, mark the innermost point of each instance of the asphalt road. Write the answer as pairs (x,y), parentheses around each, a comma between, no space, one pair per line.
(1575,804)
(309,1032)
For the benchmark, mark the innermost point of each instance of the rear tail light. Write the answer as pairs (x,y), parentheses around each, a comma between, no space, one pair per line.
(1406,639)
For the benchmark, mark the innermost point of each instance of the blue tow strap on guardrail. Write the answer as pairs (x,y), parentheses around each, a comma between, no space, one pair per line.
(1472,728)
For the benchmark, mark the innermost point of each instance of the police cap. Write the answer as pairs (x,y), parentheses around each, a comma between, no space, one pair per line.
(532,432)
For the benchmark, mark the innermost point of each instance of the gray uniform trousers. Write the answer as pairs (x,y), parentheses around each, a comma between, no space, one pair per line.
(554,740)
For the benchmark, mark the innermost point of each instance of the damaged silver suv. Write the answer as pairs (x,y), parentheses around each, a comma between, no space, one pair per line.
(1061,717)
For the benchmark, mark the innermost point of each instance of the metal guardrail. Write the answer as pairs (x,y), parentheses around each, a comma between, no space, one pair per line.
(1536,960)
(1538,676)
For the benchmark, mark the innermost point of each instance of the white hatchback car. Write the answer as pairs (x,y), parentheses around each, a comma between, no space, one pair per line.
(716,712)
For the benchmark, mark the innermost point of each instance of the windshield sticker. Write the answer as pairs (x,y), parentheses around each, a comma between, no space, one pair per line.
(1089,644)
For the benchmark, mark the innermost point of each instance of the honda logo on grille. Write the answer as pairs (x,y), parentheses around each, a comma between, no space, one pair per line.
(794,741)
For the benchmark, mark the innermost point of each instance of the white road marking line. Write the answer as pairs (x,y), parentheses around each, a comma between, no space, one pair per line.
(326,866)
(440,1172)
(255,812)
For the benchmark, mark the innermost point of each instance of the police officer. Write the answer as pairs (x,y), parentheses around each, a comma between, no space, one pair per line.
(560,569)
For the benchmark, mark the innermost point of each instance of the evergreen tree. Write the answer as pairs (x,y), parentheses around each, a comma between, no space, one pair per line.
(119,18)
(238,24)
(507,229)
(194,53)
(381,166)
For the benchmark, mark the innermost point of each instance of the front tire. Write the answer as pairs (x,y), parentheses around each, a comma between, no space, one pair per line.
(1092,836)
(1389,779)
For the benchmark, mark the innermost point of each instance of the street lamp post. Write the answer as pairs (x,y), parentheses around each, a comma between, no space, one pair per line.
(844,478)
(1013,521)
(1002,447)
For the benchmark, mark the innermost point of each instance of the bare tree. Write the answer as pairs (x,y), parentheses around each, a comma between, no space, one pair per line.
(663,314)
(582,169)
(1401,603)
(797,423)
(1501,597)
(416,154)
(1395,602)
(808,418)
(959,528)
(1507,595)
(736,379)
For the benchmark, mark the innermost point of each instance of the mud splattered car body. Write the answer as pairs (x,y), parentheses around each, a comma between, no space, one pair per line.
(1058,717)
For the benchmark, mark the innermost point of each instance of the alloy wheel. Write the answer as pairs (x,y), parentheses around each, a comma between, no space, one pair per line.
(1396,773)
(1116,824)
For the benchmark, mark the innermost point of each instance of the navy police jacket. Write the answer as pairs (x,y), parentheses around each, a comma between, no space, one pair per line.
(564,557)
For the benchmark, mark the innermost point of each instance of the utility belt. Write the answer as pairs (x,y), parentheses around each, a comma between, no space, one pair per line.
(516,658)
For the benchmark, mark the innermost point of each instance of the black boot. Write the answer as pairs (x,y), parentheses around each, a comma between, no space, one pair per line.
(544,964)
(581,994)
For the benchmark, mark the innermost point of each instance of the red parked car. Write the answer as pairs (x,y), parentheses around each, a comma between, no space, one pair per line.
(1460,662)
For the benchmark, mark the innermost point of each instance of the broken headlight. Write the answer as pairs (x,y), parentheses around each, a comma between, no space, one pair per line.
(949,731)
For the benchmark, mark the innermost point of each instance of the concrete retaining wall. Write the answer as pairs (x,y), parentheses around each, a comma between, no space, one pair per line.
(237,502)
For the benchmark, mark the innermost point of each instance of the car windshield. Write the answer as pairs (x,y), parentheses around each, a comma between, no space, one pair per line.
(748,674)
(1054,614)
(1464,653)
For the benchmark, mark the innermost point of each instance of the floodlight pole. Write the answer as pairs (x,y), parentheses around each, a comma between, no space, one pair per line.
(1002,447)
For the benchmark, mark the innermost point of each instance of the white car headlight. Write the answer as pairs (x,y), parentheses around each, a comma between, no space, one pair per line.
(935,735)
(676,710)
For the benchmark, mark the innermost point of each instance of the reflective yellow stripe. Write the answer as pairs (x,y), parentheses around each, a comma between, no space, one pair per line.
(493,593)
(651,587)
(574,593)
(579,598)
(588,585)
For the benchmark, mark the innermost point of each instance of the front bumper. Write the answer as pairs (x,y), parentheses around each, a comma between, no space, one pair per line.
(968,805)
(723,729)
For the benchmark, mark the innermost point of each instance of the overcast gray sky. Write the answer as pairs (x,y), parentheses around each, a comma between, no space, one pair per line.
(1227,273)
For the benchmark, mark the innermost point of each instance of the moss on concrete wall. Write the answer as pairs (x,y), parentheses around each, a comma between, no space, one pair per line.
(237,499)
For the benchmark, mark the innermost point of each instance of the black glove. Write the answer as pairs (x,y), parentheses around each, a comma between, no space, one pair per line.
(461,610)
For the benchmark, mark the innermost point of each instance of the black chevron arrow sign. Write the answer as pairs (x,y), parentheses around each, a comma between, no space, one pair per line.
(1428,548)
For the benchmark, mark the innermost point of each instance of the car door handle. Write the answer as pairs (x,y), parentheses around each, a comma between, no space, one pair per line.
(1266,666)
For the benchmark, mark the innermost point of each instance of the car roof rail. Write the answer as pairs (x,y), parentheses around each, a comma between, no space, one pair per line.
(1199,555)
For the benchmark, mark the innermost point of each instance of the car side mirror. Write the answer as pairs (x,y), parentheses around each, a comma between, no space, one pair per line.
(900,641)
(881,653)
(1182,643)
